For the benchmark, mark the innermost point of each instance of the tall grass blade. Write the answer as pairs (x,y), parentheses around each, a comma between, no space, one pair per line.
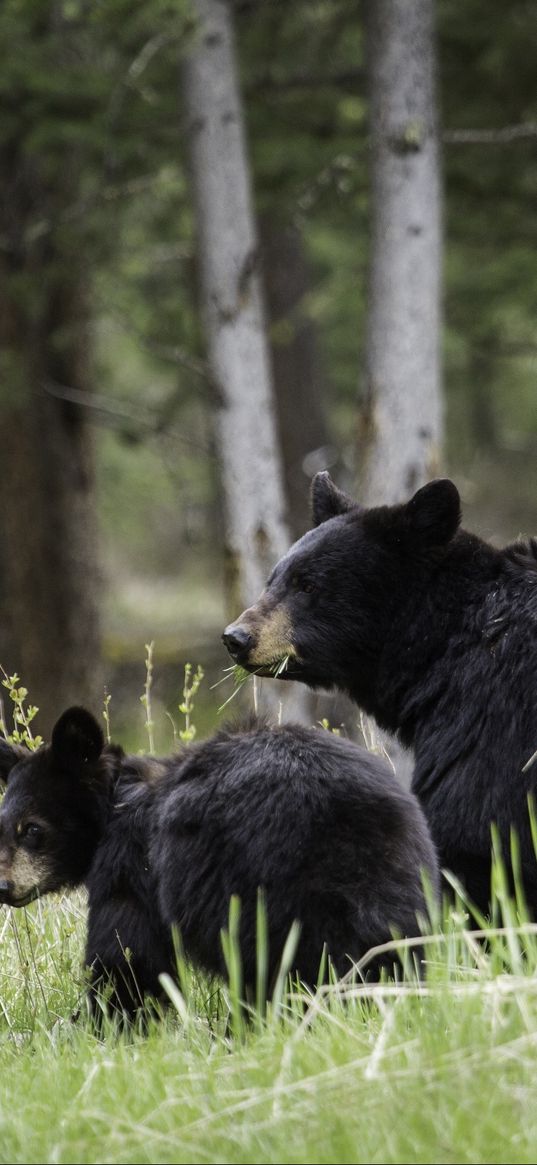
(233,959)
(262,957)
(286,962)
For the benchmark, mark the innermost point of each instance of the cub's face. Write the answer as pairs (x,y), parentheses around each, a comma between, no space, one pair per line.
(326,612)
(27,836)
(51,813)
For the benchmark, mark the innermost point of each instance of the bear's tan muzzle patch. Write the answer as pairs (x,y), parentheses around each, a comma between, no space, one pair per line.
(273,640)
(28,872)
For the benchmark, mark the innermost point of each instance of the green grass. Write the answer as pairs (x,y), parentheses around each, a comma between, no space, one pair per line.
(438,1071)
(442,1071)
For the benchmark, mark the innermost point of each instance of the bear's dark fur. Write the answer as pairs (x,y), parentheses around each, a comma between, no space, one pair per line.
(320,824)
(434,632)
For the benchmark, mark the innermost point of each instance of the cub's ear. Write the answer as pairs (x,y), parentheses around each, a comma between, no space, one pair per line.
(434,513)
(327,501)
(77,739)
(9,755)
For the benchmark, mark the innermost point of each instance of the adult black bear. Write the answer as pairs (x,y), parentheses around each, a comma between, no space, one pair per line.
(320,824)
(434,632)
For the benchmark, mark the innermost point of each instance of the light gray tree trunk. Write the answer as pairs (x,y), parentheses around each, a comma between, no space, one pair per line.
(403,389)
(403,324)
(256,532)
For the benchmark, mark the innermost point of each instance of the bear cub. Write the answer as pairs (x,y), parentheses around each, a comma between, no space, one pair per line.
(318,823)
(433,631)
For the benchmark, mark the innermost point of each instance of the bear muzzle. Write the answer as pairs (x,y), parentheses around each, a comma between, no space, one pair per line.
(238,640)
(261,641)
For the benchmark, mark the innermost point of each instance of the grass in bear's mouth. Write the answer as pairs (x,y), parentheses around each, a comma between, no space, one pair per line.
(281,666)
(240,676)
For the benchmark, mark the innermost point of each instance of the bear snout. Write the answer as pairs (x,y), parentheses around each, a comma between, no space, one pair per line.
(238,640)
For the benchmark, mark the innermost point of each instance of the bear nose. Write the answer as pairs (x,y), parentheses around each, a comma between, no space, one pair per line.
(237,639)
(6,890)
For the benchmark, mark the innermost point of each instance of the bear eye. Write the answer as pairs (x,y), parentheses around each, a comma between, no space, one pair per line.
(32,830)
(302,584)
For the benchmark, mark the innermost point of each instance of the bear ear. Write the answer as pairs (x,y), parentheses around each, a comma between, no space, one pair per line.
(77,739)
(327,501)
(434,513)
(8,759)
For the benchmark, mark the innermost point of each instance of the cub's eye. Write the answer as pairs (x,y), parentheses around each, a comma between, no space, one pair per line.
(32,830)
(308,588)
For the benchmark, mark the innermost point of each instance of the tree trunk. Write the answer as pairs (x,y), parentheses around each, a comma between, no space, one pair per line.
(404,413)
(49,579)
(403,419)
(256,532)
(299,376)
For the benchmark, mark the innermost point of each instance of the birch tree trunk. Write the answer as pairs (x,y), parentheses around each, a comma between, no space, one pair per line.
(256,533)
(404,405)
(404,412)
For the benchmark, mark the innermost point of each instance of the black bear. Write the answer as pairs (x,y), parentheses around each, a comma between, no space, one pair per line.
(434,632)
(317,822)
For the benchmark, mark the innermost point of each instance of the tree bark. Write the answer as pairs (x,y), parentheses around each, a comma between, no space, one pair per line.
(49,577)
(256,532)
(403,414)
(403,392)
(300,381)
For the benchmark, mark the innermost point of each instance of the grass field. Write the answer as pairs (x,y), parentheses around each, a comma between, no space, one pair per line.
(443,1071)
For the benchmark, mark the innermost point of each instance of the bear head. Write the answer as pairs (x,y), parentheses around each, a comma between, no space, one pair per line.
(53,811)
(326,613)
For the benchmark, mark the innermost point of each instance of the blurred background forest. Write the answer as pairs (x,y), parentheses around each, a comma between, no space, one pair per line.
(111,498)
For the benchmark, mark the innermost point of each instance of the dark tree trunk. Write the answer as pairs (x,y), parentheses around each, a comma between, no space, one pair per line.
(49,577)
(298,371)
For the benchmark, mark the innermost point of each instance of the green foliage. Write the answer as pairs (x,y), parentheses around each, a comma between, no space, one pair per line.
(21,733)
(87,77)
(487,73)
(90,131)
(304,80)
(328,727)
(81,87)
(90,94)
(186,707)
